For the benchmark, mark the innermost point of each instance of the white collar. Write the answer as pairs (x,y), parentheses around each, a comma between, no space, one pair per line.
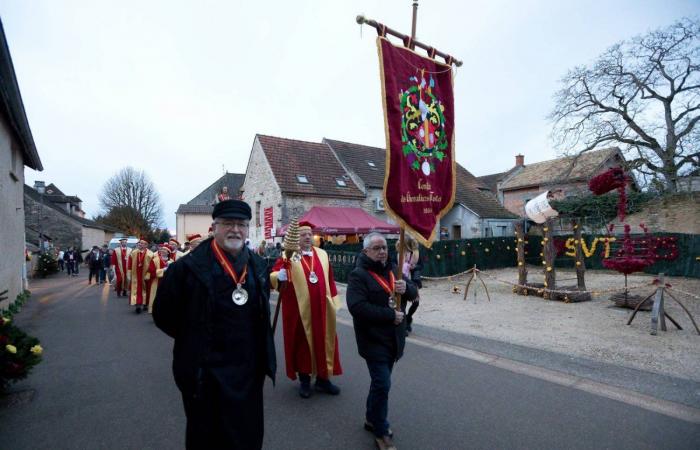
(309,253)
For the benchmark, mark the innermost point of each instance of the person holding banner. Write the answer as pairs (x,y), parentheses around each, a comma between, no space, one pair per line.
(309,303)
(380,329)
(215,303)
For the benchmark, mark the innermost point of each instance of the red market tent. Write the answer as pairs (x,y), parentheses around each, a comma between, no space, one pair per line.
(336,220)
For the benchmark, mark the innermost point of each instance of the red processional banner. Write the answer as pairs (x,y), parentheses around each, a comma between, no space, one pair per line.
(267,222)
(419,183)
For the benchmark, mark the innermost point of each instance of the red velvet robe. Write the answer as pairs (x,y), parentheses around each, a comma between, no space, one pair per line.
(308,317)
(120,267)
(139,260)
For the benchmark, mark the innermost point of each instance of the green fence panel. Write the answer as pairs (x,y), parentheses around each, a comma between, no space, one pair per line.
(447,258)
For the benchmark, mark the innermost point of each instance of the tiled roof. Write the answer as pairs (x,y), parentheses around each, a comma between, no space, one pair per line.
(34,195)
(289,158)
(470,193)
(233,181)
(52,189)
(357,157)
(560,170)
(194,209)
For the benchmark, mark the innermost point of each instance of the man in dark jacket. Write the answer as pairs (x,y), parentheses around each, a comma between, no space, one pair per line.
(94,262)
(215,303)
(380,329)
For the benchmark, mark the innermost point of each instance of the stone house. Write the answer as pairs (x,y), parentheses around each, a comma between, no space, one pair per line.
(60,220)
(568,176)
(195,216)
(17,150)
(476,213)
(286,177)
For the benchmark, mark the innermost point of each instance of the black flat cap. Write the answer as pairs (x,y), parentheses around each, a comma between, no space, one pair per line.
(232,209)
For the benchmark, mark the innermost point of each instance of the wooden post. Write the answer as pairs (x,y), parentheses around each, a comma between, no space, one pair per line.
(549,257)
(399,268)
(522,269)
(580,260)
(657,311)
(413,23)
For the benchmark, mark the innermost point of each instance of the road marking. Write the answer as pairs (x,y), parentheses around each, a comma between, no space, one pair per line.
(629,397)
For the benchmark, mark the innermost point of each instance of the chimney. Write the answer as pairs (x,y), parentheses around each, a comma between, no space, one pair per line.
(40,186)
(519,160)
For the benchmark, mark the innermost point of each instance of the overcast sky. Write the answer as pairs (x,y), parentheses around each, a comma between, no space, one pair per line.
(180,88)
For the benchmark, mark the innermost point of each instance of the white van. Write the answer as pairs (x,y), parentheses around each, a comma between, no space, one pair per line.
(131,242)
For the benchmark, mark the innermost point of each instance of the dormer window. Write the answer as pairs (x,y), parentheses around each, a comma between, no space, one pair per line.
(302,179)
(371,164)
(340,182)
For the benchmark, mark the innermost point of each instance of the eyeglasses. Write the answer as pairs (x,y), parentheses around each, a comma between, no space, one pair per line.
(378,248)
(232,225)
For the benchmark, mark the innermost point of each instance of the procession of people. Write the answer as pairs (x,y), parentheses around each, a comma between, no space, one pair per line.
(212,295)
(214,300)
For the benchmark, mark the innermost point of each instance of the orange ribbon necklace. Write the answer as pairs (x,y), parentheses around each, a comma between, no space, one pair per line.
(240,295)
(388,287)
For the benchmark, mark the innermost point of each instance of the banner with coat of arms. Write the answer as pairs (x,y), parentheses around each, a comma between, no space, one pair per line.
(419,183)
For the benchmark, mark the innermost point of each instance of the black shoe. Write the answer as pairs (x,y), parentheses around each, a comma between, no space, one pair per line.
(138,310)
(327,387)
(304,389)
(369,427)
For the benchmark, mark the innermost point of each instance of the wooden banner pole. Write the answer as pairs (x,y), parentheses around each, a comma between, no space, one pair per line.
(399,267)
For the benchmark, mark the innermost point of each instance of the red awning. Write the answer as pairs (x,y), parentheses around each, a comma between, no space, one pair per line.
(332,220)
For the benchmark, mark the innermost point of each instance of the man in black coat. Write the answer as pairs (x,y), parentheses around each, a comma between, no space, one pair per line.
(215,303)
(380,329)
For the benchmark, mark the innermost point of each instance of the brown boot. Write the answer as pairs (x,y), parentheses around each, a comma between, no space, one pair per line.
(385,443)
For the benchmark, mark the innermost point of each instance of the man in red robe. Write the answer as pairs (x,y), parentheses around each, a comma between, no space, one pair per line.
(309,303)
(175,252)
(119,259)
(139,260)
(156,270)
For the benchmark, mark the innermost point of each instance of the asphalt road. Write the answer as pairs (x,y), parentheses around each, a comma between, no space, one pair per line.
(105,382)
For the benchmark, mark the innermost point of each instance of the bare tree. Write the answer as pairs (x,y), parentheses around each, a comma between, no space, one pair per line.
(132,189)
(642,95)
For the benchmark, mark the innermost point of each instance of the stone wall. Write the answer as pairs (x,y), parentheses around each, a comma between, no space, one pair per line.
(93,236)
(11,216)
(679,213)
(62,229)
(260,186)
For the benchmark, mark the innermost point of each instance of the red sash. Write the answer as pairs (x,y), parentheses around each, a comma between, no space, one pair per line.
(228,268)
(388,287)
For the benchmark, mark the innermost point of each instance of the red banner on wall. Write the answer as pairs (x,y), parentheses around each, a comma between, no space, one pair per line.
(267,222)
(419,183)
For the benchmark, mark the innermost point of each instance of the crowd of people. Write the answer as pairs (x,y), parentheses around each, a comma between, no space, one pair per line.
(214,300)
(212,295)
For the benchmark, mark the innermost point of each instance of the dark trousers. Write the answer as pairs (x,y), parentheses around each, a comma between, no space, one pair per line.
(103,275)
(61,265)
(94,272)
(70,267)
(378,398)
(221,419)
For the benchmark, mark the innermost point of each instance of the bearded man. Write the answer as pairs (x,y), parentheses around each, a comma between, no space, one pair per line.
(215,303)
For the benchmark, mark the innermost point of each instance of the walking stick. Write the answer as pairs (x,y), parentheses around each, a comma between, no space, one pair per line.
(277,313)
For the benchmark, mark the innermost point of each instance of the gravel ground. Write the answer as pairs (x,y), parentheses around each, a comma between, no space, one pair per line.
(596,329)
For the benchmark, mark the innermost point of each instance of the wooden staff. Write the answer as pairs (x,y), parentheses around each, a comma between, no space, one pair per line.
(399,267)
